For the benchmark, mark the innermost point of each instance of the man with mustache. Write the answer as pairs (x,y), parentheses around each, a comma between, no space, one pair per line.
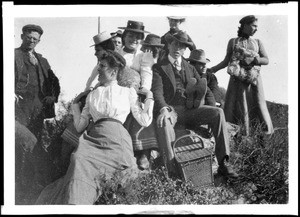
(171,77)
(36,90)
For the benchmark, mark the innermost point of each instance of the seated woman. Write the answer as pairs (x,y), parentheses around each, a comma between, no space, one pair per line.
(107,146)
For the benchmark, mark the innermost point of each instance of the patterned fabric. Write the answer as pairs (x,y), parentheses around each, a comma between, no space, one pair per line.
(246,103)
(245,73)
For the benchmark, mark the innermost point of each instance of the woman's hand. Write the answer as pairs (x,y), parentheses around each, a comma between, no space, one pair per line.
(145,92)
(82,94)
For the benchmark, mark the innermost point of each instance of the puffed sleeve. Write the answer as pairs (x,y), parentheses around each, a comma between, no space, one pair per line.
(81,119)
(143,116)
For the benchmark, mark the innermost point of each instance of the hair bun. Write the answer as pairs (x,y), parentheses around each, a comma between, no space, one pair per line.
(118,56)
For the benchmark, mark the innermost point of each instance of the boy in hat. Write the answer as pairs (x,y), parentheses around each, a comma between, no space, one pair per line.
(198,59)
(170,79)
(36,90)
(175,26)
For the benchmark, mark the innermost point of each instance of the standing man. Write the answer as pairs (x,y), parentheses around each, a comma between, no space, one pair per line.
(175,23)
(170,79)
(36,90)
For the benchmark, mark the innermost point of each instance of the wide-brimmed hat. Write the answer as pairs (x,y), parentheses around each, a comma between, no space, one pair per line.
(198,56)
(152,40)
(179,36)
(102,37)
(117,33)
(176,18)
(134,26)
(33,27)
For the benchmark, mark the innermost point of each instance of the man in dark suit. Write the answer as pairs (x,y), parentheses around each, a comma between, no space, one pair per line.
(170,79)
(36,90)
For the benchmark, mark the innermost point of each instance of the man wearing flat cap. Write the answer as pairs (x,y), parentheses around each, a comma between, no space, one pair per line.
(36,90)
(171,77)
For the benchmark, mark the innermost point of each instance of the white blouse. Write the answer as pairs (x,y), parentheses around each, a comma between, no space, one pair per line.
(112,101)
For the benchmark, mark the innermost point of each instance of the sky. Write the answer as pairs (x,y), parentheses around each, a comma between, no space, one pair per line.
(66,44)
(68,32)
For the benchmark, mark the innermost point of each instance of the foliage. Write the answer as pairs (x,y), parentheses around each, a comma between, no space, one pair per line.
(262,165)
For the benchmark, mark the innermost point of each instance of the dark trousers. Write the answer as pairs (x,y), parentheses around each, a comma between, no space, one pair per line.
(192,118)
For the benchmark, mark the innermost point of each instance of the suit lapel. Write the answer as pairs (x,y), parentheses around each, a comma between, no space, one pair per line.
(167,68)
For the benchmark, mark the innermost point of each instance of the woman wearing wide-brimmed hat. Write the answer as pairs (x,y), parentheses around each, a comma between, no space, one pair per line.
(144,138)
(107,147)
(132,37)
(245,101)
(102,43)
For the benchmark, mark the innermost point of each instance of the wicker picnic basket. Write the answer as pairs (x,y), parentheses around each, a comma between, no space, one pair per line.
(193,160)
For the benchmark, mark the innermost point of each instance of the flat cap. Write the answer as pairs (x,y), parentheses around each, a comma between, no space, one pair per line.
(32,27)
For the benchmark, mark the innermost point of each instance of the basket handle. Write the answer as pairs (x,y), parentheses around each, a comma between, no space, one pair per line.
(192,133)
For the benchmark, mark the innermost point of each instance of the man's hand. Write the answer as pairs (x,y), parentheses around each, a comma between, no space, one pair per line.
(147,59)
(164,117)
(49,99)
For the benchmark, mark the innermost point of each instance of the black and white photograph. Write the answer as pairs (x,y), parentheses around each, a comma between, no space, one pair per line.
(150,109)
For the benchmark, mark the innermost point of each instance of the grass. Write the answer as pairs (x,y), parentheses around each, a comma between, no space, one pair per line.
(263,172)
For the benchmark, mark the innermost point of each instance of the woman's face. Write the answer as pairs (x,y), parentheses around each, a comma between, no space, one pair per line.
(106,74)
(250,29)
(99,51)
(117,41)
(132,40)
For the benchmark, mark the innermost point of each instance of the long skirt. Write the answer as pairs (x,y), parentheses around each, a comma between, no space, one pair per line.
(104,150)
(245,104)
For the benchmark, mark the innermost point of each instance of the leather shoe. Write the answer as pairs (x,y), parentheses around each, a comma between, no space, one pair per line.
(143,162)
(227,171)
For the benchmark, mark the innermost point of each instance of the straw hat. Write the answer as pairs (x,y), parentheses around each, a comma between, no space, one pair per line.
(102,37)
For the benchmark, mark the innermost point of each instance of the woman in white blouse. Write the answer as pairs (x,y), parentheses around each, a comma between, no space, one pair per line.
(107,146)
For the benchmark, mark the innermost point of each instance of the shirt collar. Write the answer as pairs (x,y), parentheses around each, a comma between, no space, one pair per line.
(172,60)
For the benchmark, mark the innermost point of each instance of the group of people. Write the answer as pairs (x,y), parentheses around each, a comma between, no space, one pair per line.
(144,89)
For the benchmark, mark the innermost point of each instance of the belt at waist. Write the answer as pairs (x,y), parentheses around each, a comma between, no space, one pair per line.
(108,119)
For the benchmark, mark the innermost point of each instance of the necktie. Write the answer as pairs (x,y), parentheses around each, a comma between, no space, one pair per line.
(176,65)
(33,59)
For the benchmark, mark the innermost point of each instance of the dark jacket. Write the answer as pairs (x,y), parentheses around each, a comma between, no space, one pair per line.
(164,83)
(26,86)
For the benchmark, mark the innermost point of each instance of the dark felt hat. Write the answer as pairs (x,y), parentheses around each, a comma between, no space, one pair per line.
(33,28)
(134,26)
(248,19)
(198,56)
(118,33)
(179,36)
(152,40)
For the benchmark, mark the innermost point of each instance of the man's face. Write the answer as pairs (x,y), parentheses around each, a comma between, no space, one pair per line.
(176,49)
(200,67)
(117,41)
(30,39)
(174,24)
(132,40)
